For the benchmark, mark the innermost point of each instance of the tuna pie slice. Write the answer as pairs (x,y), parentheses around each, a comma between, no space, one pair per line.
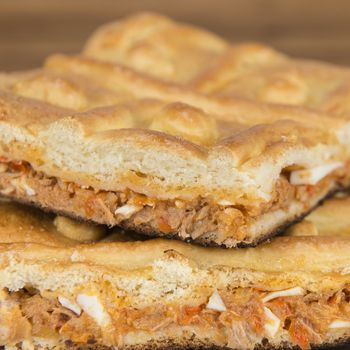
(97,147)
(57,293)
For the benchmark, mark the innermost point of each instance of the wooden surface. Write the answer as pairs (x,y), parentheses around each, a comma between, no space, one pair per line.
(32,29)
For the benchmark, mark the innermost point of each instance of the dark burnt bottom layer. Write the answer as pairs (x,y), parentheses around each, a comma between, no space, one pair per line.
(199,221)
(339,344)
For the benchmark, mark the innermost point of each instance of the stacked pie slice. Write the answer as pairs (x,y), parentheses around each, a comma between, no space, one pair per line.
(169,131)
(118,292)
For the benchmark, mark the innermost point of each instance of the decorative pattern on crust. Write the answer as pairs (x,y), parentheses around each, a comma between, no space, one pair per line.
(249,70)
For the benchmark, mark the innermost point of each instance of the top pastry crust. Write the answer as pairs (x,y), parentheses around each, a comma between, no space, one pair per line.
(155,45)
(107,143)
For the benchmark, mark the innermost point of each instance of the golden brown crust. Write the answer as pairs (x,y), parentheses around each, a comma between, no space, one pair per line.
(308,254)
(249,70)
(294,82)
(233,109)
(155,45)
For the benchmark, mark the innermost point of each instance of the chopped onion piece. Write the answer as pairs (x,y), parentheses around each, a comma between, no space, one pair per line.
(339,324)
(215,302)
(225,202)
(127,210)
(313,175)
(93,307)
(29,191)
(70,305)
(284,293)
(273,322)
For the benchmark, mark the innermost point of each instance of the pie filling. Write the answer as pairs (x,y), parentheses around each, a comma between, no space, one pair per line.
(237,318)
(200,219)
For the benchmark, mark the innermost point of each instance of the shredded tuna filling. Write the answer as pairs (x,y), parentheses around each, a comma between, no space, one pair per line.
(305,319)
(198,219)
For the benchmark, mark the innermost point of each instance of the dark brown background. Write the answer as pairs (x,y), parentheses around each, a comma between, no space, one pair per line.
(31,29)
